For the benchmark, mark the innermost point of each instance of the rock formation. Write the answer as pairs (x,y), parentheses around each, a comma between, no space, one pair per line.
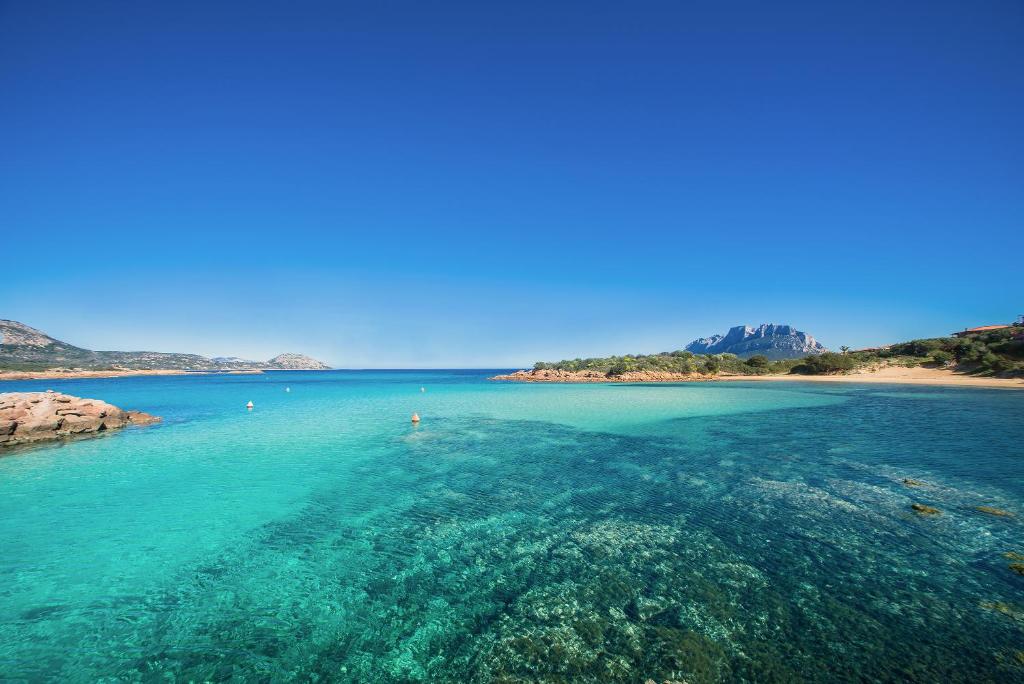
(295,362)
(38,416)
(771,340)
(586,376)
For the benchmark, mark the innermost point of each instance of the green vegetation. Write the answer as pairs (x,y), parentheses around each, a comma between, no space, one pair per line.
(672,362)
(825,364)
(990,353)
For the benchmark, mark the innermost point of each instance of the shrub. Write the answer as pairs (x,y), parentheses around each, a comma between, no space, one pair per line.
(758,361)
(825,364)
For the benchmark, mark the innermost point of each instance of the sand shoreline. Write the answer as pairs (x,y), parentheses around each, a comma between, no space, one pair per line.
(893,375)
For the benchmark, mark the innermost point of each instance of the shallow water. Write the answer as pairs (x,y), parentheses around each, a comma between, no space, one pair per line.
(700,532)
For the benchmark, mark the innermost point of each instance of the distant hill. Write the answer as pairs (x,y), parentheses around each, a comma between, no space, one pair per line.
(25,348)
(776,342)
(295,362)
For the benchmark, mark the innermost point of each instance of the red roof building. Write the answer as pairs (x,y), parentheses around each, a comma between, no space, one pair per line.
(979,329)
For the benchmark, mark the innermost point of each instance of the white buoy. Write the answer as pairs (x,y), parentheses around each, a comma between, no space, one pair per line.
(249,406)
(423,389)
(415,417)
(287,389)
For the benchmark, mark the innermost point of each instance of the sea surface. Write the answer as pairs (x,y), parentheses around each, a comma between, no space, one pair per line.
(521,533)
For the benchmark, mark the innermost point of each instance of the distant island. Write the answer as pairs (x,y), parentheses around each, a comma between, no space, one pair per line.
(27,352)
(986,356)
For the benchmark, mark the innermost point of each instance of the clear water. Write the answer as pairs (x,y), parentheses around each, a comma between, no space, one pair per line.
(703,532)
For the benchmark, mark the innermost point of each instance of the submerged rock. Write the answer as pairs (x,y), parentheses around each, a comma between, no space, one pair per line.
(912,483)
(1006,609)
(1017,568)
(1013,555)
(922,509)
(27,417)
(994,511)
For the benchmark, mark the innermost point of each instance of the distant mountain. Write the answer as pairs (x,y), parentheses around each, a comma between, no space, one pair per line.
(25,348)
(233,359)
(771,340)
(295,362)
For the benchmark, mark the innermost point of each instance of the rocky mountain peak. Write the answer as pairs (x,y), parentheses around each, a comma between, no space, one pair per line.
(769,339)
(18,334)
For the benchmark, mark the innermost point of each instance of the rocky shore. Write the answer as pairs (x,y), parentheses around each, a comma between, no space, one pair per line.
(551,375)
(27,417)
(893,375)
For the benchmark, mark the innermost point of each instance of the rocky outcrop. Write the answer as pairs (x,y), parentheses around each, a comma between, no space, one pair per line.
(552,375)
(27,417)
(768,339)
(295,362)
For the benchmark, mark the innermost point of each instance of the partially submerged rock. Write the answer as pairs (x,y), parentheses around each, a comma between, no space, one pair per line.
(27,417)
(994,511)
(922,509)
(1010,611)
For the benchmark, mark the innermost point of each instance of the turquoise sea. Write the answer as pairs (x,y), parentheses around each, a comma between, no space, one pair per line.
(521,533)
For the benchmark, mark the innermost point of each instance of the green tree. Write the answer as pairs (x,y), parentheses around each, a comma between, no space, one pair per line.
(825,364)
(757,361)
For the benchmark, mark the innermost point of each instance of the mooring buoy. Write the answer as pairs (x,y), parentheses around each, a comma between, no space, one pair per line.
(249,406)
(415,417)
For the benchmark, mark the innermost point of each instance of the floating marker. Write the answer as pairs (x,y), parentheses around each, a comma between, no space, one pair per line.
(415,417)
(249,406)
(287,389)
(423,389)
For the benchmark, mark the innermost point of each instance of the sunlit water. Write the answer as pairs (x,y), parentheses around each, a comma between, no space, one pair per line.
(702,532)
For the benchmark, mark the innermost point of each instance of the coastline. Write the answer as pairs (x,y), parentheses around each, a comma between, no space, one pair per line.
(894,375)
(72,374)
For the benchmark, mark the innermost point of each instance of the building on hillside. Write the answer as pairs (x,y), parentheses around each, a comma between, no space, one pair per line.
(979,329)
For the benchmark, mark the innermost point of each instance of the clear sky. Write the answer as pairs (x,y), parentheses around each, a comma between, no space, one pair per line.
(389,184)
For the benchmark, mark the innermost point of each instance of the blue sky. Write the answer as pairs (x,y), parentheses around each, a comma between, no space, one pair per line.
(488,184)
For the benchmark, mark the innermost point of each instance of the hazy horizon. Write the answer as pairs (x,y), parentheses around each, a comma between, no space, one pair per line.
(467,185)
(525,363)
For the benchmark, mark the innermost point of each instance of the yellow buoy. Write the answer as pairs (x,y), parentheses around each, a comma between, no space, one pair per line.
(415,417)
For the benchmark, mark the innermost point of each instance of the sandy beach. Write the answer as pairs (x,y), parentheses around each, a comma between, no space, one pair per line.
(896,375)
